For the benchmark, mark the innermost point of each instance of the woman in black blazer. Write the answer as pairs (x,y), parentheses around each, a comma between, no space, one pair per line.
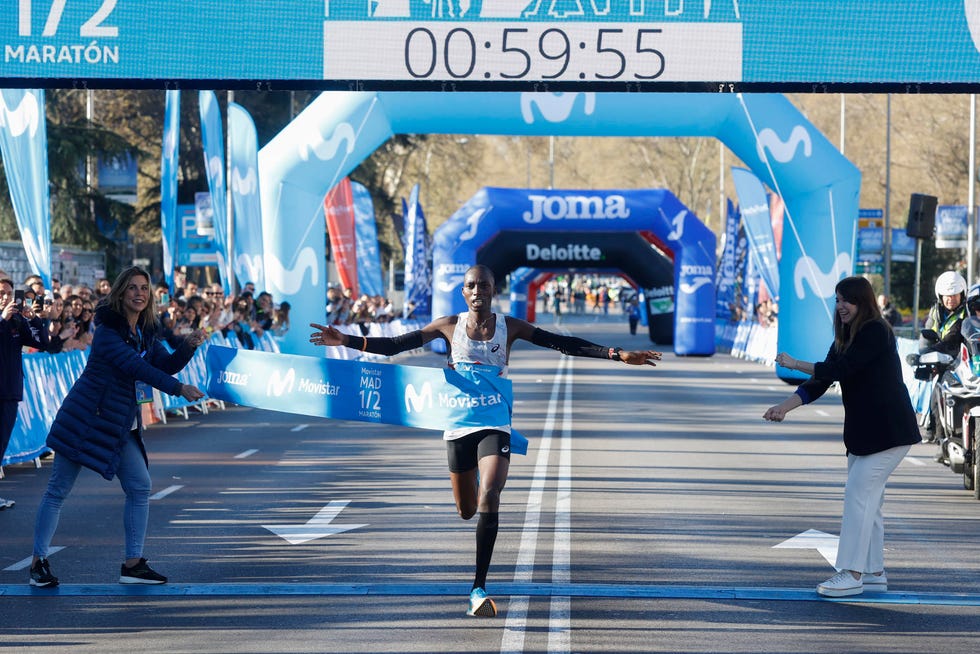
(879,428)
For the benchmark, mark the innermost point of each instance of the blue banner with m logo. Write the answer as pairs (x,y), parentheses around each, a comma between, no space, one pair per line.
(426,398)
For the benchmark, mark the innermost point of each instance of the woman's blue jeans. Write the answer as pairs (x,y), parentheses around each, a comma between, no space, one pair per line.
(135,481)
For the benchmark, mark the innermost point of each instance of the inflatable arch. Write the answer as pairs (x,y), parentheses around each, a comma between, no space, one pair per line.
(525,282)
(339,129)
(507,229)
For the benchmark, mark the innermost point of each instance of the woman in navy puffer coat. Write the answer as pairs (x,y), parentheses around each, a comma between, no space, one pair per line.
(99,425)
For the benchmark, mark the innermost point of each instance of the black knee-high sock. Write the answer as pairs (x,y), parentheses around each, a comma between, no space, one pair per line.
(486,536)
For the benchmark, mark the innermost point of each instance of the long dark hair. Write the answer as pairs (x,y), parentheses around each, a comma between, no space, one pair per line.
(859,292)
(148,316)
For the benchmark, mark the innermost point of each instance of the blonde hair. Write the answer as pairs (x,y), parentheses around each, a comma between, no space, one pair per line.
(148,316)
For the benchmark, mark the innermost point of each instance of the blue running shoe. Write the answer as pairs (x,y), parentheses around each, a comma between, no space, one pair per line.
(481,606)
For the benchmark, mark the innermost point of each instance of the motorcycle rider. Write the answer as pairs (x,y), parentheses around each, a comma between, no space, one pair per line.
(945,318)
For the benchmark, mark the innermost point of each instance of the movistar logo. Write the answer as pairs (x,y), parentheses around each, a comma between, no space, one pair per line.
(418,401)
(575,207)
(246,184)
(26,117)
(343,137)
(554,107)
(279,384)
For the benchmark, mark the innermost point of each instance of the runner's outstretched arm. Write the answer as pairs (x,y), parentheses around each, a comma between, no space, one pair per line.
(328,335)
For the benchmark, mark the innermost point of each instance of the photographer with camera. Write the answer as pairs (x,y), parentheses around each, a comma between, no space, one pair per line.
(19,328)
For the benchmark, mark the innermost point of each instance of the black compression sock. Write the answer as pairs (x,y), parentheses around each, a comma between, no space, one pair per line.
(486,536)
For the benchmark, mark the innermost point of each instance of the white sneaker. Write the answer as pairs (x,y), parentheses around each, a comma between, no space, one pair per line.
(876,583)
(842,584)
(6,504)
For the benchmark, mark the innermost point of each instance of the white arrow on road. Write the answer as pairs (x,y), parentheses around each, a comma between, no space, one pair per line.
(811,539)
(317,527)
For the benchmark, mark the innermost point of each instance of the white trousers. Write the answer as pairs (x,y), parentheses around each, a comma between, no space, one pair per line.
(862,531)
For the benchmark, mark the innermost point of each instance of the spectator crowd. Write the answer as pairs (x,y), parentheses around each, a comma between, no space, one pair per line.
(68,310)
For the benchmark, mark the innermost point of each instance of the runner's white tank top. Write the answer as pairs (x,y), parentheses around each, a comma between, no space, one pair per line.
(492,353)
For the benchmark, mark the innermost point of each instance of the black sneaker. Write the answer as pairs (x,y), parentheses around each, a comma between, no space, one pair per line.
(140,574)
(41,575)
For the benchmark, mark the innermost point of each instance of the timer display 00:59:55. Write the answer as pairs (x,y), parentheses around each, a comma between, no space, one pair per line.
(530,51)
(518,53)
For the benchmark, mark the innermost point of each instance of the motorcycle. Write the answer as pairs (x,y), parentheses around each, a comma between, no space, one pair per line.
(958,421)
(960,450)
(929,364)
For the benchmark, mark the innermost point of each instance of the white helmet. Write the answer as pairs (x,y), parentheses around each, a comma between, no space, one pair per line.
(950,283)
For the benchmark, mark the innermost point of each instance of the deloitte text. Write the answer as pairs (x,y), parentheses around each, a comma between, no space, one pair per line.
(575,207)
(568,252)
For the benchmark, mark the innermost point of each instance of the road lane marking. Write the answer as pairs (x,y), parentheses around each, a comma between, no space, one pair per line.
(914,461)
(813,539)
(299,427)
(23,564)
(166,491)
(245,454)
(319,526)
(560,618)
(519,590)
(512,639)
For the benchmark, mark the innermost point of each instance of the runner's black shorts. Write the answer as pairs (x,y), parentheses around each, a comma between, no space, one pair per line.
(465,452)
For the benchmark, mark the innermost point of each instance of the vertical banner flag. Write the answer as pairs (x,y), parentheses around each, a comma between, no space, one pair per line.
(243,145)
(754,207)
(741,256)
(368,257)
(777,213)
(338,207)
(725,278)
(418,277)
(24,147)
(214,168)
(168,184)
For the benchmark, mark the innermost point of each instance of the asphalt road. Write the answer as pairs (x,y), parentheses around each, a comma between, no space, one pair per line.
(655,512)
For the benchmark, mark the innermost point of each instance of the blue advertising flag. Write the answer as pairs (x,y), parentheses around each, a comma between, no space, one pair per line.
(725,277)
(418,273)
(754,207)
(214,168)
(169,224)
(369,277)
(428,398)
(24,147)
(247,245)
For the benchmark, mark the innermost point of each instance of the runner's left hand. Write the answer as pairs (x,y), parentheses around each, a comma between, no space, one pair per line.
(640,357)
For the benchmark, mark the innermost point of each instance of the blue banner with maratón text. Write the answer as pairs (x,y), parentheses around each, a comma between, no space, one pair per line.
(427,398)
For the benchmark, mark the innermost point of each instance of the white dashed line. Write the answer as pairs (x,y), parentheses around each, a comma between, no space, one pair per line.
(23,564)
(166,491)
